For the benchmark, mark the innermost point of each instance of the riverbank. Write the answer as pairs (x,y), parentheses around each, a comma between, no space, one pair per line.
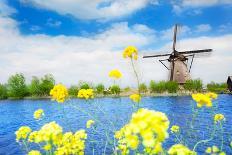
(122,94)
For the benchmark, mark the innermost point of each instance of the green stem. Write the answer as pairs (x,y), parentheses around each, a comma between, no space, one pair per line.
(205,140)
(136,75)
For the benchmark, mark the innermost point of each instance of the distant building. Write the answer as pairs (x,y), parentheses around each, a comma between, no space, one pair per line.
(229,83)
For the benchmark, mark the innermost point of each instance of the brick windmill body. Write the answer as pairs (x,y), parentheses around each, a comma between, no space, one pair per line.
(178,69)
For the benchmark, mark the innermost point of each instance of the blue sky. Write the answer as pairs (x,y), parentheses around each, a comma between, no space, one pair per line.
(76,40)
(157,16)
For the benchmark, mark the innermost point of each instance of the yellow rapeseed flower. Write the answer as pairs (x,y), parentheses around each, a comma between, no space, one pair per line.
(59,93)
(212,95)
(218,117)
(130,52)
(115,73)
(22,132)
(146,125)
(180,149)
(34,152)
(202,100)
(208,150)
(89,123)
(85,93)
(175,129)
(135,98)
(38,114)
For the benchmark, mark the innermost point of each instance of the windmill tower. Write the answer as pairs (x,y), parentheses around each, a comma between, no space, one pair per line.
(178,70)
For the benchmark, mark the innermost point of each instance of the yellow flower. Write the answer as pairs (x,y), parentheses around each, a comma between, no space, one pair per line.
(115,73)
(22,132)
(218,117)
(175,129)
(215,149)
(179,149)
(85,93)
(38,114)
(59,93)
(89,123)
(208,150)
(130,52)
(212,95)
(202,100)
(135,98)
(34,152)
(47,147)
(146,125)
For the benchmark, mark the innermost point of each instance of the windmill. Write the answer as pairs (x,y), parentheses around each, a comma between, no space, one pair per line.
(179,70)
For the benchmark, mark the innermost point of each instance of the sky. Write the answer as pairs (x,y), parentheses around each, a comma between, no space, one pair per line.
(84,39)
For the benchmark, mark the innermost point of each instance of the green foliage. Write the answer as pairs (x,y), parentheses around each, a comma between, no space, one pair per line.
(100,88)
(73,90)
(115,89)
(159,87)
(47,83)
(16,86)
(162,86)
(41,87)
(171,86)
(217,87)
(84,85)
(193,85)
(143,88)
(3,92)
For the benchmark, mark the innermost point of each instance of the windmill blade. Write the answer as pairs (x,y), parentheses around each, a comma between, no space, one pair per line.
(157,55)
(196,51)
(174,39)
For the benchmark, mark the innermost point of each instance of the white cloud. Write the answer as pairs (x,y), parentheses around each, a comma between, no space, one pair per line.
(92,9)
(5,10)
(204,3)
(53,23)
(203,28)
(74,58)
(179,6)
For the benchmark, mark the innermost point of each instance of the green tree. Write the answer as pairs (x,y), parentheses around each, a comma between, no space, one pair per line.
(73,90)
(115,89)
(193,85)
(84,85)
(3,92)
(100,88)
(34,87)
(171,86)
(217,87)
(47,83)
(16,86)
(143,88)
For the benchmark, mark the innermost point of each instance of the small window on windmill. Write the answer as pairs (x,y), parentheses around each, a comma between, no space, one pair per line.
(177,72)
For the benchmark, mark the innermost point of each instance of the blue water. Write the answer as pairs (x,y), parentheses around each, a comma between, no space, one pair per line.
(112,113)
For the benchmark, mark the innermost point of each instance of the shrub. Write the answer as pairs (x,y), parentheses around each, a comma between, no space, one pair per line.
(115,89)
(16,86)
(143,88)
(73,90)
(171,86)
(217,87)
(3,92)
(100,88)
(84,85)
(160,87)
(193,85)
(47,83)
(41,87)
(152,86)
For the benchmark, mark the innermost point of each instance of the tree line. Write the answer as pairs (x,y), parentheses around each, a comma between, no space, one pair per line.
(17,88)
